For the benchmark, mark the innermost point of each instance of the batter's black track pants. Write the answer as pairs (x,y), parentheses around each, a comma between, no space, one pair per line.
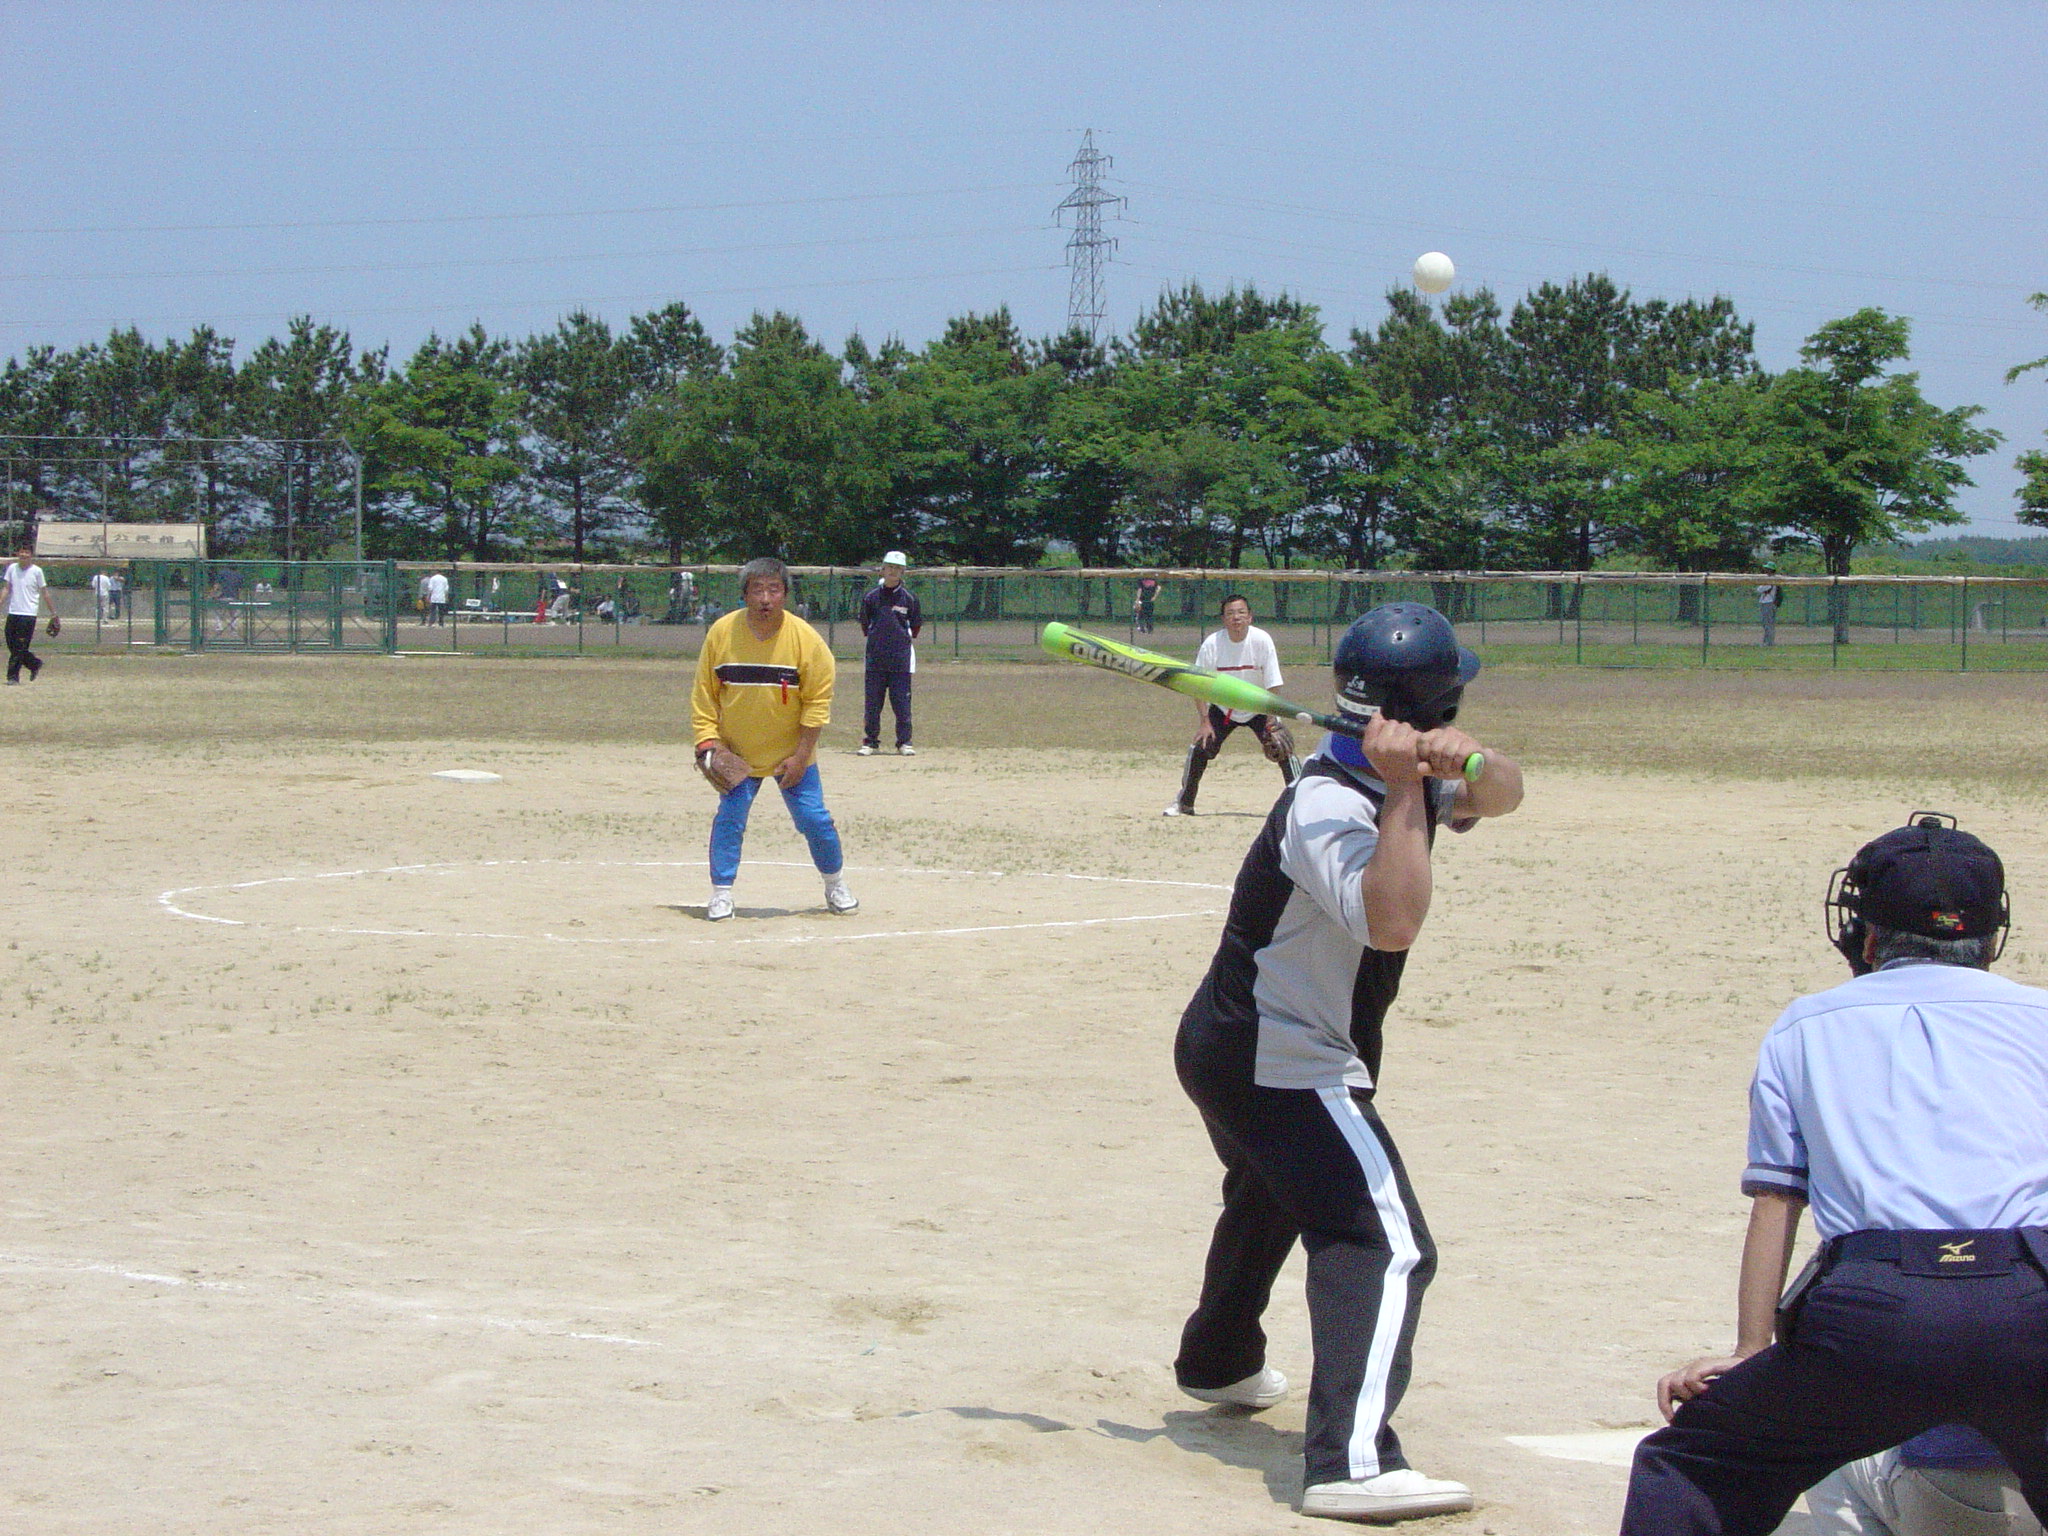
(21,629)
(1880,1356)
(1317,1164)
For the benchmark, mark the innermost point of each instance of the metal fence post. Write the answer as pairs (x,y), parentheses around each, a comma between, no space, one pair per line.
(390,607)
(1706,616)
(1968,619)
(1579,623)
(1838,621)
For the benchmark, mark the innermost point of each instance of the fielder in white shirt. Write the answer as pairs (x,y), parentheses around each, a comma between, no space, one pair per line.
(1238,649)
(27,595)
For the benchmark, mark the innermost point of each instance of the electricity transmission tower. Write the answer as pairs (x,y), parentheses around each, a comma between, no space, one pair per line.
(1088,248)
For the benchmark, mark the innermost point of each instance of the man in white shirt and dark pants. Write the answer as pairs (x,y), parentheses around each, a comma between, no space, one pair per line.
(27,595)
(436,587)
(1909,1108)
(1238,649)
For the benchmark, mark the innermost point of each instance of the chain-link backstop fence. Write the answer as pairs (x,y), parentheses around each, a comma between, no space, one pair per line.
(1597,618)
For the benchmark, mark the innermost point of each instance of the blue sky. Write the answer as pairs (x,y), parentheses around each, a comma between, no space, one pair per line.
(400,169)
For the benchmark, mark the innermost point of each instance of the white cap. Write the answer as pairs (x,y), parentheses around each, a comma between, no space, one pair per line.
(895,557)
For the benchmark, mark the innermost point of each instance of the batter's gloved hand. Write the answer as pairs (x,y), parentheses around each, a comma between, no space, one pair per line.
(725,768)
(1279,744)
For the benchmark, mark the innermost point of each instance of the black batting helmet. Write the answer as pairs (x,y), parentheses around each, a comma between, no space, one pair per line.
(1926,877)
(1403,660)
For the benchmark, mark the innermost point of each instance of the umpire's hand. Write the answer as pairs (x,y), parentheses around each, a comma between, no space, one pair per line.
(1690,1380)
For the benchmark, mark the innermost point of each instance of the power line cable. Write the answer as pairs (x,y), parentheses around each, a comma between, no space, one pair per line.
(459,306)
(1266,205)
(507,261)
(510,218)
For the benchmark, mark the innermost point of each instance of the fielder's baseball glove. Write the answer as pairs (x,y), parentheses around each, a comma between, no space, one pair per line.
(56,625)
(1279,743)
(725,768)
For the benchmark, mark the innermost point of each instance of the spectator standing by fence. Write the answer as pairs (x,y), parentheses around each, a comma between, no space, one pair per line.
(1141,606)
(102,596)
(891,619)
(436,586)
(1767,598)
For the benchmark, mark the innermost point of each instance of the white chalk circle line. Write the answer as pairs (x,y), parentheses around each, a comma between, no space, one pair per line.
(171,901)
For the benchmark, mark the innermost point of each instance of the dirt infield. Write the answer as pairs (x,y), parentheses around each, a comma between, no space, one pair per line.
(386,1154)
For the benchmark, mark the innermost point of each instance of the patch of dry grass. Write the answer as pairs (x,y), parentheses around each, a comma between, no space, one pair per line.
(1985,729)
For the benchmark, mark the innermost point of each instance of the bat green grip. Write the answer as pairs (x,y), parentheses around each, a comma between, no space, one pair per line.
(1475,765)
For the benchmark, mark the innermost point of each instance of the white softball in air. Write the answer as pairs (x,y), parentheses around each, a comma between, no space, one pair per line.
(1433,271)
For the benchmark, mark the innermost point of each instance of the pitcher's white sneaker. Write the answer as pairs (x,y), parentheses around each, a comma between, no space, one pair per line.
(866,750)
(906,750)
(1402,1495)
(719,908)
(1262,1389)
(1177,809)
(839,898)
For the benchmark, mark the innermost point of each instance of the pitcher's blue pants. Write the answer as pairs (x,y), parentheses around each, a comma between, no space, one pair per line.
(806,808)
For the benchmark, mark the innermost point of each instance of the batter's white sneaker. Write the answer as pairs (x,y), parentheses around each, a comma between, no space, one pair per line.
(839,898)
(906,750)
(1177,809)
(1402,1495)
(1262,1389)
(719,907)
(865,751)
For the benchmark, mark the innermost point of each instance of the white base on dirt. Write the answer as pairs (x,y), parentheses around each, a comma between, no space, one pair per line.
(1603,1447)
(469,776)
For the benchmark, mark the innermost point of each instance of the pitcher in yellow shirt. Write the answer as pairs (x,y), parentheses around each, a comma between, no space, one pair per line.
(764,690)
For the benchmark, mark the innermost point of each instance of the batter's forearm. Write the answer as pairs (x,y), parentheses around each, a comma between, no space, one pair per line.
(1499,789)
(1397,881)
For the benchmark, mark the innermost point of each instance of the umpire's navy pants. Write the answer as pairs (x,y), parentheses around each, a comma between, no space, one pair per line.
(897,686)
(1315,1164)
(1879,1356)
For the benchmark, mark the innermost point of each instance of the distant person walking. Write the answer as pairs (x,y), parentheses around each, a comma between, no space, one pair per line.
(891,619)
(28,594)
(227,597)
(1768,597)
(1141,606)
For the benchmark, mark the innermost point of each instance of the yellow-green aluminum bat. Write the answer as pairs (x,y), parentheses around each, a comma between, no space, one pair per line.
(1070,644)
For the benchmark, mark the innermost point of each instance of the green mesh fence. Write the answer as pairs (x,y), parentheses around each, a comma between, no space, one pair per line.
(272,605)
(1905,623)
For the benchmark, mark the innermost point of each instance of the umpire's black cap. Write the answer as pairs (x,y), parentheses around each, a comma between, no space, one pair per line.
(1930,878)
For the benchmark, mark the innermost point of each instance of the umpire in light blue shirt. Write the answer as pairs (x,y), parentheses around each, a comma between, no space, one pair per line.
(1909,1108)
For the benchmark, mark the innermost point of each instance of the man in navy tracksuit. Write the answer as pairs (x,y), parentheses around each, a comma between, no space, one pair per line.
(1280,1050)
(891,619)
(1909,1108)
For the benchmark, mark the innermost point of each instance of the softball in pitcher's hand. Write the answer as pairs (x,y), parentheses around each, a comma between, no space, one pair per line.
(725,768)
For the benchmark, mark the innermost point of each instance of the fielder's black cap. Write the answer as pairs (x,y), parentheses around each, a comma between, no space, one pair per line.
(1931,879)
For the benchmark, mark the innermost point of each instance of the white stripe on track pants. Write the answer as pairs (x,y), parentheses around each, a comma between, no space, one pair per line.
(1316,1164)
